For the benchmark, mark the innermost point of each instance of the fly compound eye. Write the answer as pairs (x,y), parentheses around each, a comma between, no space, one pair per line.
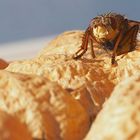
(100,32)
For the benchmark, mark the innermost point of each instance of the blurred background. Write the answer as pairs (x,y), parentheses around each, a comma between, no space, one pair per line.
(26,26)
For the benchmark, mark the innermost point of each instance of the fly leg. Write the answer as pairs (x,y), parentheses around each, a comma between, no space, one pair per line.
(92,47)
(134,37)
(116,47)
(119,38)
(84,45)
(128,42)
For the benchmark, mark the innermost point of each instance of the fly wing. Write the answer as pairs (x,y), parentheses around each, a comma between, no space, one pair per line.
(133,22)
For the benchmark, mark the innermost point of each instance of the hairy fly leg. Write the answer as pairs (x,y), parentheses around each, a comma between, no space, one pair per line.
(128,42)
(84,45)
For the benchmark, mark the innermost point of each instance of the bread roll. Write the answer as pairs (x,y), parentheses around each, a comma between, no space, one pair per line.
(47,109)
(89,81)
(120,117)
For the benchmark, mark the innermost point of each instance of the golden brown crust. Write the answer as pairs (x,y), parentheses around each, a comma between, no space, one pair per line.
(120,116)
(93,95)
(66,43)
(12,129)
(44,106)
(81,77)
(3,64)
(128,65)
